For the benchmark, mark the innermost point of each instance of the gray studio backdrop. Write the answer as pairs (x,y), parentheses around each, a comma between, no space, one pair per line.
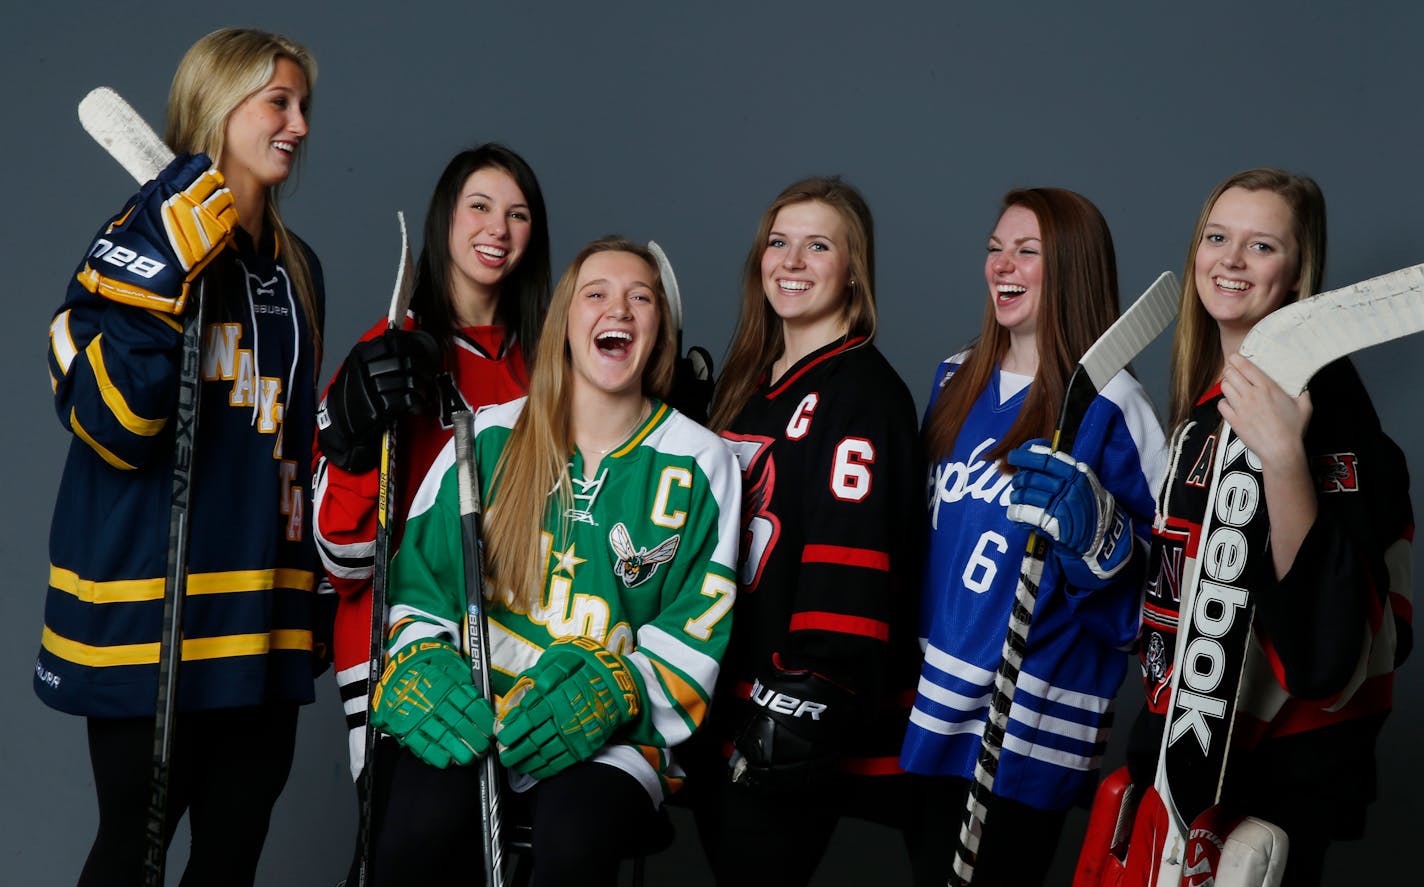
(680,122)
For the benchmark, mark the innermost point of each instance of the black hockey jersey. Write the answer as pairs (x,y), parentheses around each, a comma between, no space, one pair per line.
(1318,679)
(827,575)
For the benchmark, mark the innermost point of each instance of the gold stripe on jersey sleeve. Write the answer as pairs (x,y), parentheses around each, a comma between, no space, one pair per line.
(129,590)
(194,649)
(689,698)
(95,445)
(114,398)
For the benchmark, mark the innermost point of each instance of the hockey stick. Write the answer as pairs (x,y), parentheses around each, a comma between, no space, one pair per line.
(114,124)
(385,517)
(1290,345)
(1153,311)
(477,636)
(670,289)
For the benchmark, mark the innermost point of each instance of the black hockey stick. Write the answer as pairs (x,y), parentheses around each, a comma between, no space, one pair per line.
(133,143)
(1153,311)
(385,517)
(1290,345)
(477,636)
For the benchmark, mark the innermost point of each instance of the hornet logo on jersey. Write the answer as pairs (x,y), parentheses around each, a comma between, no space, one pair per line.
(636,566)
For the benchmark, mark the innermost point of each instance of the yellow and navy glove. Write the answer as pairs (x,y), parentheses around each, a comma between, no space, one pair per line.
(426,701)
(566,707)
(163,239)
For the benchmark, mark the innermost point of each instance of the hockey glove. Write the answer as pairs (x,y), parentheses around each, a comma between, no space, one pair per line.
(426,701)
(692,384)
(1057,494)
(566,708)
(381,380)
(792,742)
(169,232)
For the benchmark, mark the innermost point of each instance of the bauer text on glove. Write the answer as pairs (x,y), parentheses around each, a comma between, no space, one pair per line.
(566,707)
(792,740)
(426,701)
(150,255)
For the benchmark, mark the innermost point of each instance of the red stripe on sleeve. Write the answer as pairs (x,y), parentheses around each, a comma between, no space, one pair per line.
(846,556)
(838,622)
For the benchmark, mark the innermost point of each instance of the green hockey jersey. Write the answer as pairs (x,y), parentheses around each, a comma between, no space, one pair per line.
(643,562)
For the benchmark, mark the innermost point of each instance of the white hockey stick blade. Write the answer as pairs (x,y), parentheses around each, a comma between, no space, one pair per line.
(1291,344)
(674,295)
(1134,330)
(405,280)
(127,137)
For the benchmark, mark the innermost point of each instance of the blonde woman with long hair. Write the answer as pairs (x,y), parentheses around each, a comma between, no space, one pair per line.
(1327,557)
(237,116)
(611,539)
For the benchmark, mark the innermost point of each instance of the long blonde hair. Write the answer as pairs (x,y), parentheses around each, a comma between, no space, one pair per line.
(1196,345)
(757,341)
(1078,301)
(217,74)
(535,460)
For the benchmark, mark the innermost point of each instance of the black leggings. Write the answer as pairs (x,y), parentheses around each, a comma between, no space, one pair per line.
(584,820)
(1016,849)
(227,769)
(779,839)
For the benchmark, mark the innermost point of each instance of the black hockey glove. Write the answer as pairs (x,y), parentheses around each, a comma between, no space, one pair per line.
(792,742)
(381,380)
(692,384)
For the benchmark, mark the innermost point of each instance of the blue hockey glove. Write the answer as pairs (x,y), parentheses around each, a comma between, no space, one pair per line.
(166,235)
(426,701)
(792,741)
(566,707)
(1057,494)
(381,380)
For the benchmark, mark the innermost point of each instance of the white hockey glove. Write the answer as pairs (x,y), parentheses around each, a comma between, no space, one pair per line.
(1060,496)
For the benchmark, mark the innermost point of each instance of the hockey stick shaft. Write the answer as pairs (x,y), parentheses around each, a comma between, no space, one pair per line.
(115,125)
(1134,330)
(380,569)
(477,636)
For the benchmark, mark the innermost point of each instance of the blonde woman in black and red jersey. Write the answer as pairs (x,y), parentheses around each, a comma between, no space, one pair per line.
(817,680)
(1328,572)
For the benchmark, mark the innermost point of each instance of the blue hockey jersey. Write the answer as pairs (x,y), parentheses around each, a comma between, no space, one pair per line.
(247,627)
(1076,658)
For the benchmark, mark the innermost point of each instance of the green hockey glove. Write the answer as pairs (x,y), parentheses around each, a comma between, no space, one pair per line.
(565,708)
(426,701)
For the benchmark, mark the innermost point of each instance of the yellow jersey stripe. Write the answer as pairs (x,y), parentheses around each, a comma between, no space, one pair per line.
(647,429)
(114,398)
(129,590)
(689,698)
(97,447)
(194,649)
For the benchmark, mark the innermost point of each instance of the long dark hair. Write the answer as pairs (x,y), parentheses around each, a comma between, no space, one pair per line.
(1078,302)
(524,294)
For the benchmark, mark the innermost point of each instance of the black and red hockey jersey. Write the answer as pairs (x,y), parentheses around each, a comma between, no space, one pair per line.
(1326,638)
(831,488)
